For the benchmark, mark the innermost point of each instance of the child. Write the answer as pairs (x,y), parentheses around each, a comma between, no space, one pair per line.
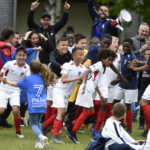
(71,73)
(130,92)
(35,85)
(88,87)
(14,71)
(119,138)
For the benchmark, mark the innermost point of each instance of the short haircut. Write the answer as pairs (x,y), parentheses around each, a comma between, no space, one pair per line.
(6,33)
(76,49)
(21,49)
(119,110)
(79,37)
(143,24)
(128,40)
(63,38)
(107,36)
(16,32)
(105,53)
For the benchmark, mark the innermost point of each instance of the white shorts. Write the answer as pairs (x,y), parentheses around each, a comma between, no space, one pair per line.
(146,94)
(50,93)
(84,100)
(59,99)
(12,96)
(111,93)
(130,96)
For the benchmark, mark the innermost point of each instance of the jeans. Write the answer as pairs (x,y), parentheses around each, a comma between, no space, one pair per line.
(120,147)
(35,124)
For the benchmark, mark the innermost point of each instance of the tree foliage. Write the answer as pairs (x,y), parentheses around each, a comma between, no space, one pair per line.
(141,7)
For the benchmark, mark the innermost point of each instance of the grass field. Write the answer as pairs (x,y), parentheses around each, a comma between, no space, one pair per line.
(9,141)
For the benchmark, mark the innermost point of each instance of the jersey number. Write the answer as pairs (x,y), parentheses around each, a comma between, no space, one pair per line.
(40,88)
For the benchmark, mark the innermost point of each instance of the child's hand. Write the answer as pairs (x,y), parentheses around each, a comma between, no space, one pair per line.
(83,90)
(114,82)
(38,48)
(8,44)
(4,80)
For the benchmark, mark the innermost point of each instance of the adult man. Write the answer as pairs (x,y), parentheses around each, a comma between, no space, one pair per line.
(101,25)
(139,47)
(139,42)
(45,26)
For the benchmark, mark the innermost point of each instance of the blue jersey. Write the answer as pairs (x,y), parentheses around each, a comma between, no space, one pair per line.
(128,73)
(36,93)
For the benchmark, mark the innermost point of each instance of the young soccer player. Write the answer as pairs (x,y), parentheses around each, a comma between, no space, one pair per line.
(88,87)
(14,71)
(35,85)
(130,92)
(119,138)
(71,73)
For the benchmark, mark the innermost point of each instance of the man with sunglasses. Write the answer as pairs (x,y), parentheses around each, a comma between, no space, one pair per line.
(101,24)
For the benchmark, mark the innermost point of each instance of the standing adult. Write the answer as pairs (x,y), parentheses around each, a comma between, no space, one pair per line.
(45,27)
(100,23)
(139,47)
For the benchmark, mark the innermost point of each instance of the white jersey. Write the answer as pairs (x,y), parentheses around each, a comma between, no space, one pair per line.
(94,77)
(71,70)
(13,73)
(113,130)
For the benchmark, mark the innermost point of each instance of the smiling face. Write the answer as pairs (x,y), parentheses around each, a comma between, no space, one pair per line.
(108,61)
(143,31)
(45,22)
(103,12)
(105,43)
(78,56)
(127,47)
(20,58)
(62,47)
(35,39)
(82,44)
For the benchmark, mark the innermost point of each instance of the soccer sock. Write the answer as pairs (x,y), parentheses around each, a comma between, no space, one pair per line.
(100,119)
(48,112)
(57,125)
(17,121)
(78,112)
(108,111)
(129,117)
(83,116)
(146,109)
(54,111)
(97,105)
(50,121)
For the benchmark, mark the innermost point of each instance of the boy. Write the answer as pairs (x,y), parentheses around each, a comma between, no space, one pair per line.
(14,71)
(130,92)
(71,73)
(119,138)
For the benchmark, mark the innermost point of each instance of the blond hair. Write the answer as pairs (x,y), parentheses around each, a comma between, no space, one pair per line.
(115,39)
(94,41)
(47,75)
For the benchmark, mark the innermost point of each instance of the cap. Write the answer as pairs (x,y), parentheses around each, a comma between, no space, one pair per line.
(46,15)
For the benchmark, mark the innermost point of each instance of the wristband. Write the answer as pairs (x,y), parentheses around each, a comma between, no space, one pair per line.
(84,85)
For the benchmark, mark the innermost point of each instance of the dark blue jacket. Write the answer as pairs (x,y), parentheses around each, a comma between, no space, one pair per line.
(106,27)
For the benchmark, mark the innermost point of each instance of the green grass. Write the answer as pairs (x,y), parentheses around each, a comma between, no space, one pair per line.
(9,141)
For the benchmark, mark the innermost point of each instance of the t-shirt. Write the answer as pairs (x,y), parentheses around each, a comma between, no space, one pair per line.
(71,70)
(94,77)
(36,93)
(14,73)
(126,71)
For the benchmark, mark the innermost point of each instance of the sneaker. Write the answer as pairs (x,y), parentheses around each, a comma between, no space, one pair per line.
(72,137)
(39,145)
(44,141)
(76,138)
(22,123)
(129,131)
(19,135)
(56,140)
(5,124)
(144,134)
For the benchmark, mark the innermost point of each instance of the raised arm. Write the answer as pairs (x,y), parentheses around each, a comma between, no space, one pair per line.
(61,23)
(30,20)
(92,10)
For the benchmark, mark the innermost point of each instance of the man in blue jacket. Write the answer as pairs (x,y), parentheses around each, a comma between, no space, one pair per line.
(100,25)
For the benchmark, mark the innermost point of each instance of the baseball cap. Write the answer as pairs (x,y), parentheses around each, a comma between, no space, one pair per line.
(46,15)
